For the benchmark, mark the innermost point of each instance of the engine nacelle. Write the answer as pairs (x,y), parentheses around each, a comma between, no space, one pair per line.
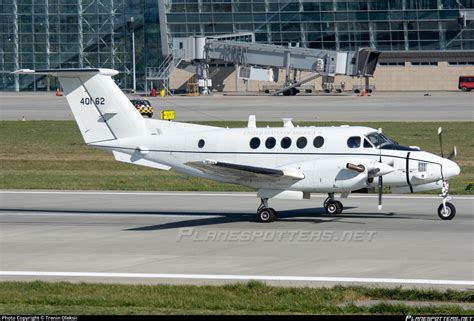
(347,174)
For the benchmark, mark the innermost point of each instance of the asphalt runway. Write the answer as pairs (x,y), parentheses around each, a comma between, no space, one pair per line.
(381,106)
(211,238)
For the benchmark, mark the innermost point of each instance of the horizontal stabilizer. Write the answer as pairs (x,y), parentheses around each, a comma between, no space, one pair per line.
(138,160)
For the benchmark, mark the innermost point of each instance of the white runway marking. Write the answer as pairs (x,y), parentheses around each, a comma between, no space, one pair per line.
(233,277)
(218,194)
(131,193)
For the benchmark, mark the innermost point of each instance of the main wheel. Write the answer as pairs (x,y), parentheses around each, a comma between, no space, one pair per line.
(447,214)
(341,207)
(333,207)
(266,215)
(275,214)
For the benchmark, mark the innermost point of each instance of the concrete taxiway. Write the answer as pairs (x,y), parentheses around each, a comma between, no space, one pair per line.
(213,238)
(381,106)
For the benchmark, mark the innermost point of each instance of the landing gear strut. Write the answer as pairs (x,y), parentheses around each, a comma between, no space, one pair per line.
(266,214)
(446,210)
(332,206)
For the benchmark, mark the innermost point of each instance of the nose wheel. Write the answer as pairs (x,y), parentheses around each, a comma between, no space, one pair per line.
(266,214)
(332,206)
(446,210)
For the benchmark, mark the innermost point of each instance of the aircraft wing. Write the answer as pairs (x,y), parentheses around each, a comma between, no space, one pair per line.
(245,172)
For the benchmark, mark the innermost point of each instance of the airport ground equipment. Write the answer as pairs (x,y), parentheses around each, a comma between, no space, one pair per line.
(143,106)
(242,51)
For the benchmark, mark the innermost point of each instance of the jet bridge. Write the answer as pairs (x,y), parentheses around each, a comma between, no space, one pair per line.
(244,53)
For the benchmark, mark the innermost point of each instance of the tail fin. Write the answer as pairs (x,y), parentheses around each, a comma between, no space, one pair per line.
(101,109)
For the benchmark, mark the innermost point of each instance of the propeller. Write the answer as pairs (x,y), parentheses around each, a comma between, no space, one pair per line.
(453,153)
(380,183)
(380,186)
(380,191)
(440,136)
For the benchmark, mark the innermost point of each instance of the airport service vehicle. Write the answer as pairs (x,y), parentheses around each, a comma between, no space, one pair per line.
(285,162)
(143,106)
(466,83)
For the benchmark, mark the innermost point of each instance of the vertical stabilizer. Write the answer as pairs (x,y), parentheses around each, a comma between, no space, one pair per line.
(100,108)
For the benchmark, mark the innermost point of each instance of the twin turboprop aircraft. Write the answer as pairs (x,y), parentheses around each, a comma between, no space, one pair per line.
(286,162)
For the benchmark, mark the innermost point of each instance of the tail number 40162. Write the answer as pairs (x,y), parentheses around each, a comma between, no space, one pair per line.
(95,101)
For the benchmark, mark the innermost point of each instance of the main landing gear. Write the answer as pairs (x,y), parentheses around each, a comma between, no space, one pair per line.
(332,206)
(266,214)
(446,210)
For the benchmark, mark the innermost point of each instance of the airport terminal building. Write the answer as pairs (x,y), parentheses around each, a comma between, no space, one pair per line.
(425,44)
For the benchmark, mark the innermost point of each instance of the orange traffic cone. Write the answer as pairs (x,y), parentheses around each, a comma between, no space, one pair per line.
(58,93)
(363,93)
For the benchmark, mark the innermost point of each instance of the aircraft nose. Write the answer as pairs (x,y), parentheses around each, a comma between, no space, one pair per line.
(450,169)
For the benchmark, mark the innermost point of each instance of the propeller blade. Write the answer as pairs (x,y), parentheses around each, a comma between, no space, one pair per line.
(380,191)
(440,135)
(380,170)
(454,153)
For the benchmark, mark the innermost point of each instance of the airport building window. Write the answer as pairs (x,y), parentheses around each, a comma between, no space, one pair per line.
(424,63)
(461,63)
(270,142)
(286,142)
(353,142)
(318,142)
(201,143)
(392,64)
(301,142)
(255,143)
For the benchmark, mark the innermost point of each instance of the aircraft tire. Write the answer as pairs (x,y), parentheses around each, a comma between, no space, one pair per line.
(333,207)
(341,207)
(450,211)
(275,214)
(266,215)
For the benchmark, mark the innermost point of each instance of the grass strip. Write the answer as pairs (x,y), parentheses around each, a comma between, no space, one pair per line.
(39,297)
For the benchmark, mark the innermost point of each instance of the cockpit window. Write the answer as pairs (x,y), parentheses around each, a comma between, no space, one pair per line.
(367,144)
(383,142)
(379,140)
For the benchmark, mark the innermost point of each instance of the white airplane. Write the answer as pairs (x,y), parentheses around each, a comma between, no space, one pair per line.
(285,162)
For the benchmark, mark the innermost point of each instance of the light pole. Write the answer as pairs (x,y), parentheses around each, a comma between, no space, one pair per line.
(131,27)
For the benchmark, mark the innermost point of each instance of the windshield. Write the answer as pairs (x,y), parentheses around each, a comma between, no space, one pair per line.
(383,142)
(379,140)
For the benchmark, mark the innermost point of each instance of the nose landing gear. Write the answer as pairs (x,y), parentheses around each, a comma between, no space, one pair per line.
(446,210)
(266,214)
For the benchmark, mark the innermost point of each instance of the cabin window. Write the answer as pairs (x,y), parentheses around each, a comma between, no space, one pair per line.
(367,144)
(254,143)
(286,142)
(318,142)
(353,142)
(301,142)
(270,142)
(201,143)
